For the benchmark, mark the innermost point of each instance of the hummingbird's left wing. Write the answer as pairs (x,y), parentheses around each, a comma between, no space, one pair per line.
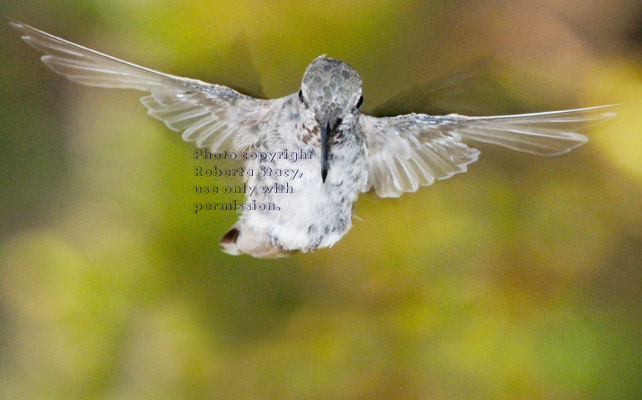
(213,116)
(414,150)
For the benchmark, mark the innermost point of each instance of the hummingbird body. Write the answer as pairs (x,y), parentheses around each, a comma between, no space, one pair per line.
(351,152)
(316,214)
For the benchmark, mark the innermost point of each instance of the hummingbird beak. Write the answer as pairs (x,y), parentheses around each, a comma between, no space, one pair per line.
(326,139)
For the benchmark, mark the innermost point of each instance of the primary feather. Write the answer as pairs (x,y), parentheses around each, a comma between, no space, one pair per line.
(212,116)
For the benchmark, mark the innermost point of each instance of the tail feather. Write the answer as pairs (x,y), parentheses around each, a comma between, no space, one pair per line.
(243,240)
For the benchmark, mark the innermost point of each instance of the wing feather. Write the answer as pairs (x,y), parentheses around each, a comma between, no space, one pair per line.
(200,110)
(548,134)
(414,150)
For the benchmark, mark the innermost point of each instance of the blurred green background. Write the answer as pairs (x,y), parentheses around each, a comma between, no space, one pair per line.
(521,279)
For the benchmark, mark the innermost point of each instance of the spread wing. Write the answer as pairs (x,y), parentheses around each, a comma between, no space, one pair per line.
(212,116)
(414,150)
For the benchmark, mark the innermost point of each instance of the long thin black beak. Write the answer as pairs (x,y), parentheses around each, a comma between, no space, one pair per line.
(326,139)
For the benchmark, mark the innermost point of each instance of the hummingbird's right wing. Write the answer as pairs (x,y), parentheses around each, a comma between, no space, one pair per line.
(414,150)
(213,116)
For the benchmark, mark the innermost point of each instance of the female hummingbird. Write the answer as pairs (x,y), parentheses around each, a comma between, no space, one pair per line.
(351,152)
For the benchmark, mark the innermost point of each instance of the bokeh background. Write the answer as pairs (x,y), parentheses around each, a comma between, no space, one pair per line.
(521,279)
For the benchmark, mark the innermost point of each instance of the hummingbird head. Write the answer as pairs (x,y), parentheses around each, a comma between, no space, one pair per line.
(332,90)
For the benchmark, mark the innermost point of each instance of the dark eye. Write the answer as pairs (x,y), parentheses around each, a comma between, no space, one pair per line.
(360,101)
(302,99)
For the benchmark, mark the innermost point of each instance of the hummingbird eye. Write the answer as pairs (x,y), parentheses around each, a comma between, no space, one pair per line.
(302,99)
(359,101)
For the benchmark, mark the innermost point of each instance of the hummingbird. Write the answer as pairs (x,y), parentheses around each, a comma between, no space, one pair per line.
(350,152)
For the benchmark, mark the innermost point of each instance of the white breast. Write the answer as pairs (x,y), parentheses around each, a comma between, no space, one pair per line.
(313,214)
